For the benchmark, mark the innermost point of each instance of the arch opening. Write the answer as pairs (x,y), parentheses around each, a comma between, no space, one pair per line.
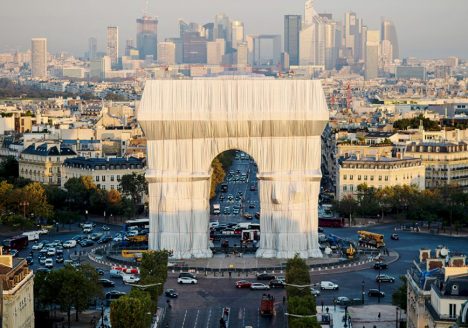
(234,203)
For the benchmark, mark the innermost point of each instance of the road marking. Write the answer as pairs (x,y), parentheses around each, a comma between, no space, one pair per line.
(185,316)
(196,319)
(208,321)
(243,317)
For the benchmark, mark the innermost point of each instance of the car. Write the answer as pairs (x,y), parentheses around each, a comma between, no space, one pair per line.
(49,263)
(115,273)
(253,188)
(243,284)
(105,228)
(104,239)
(87,230)
(343,300)
(265,276)
(13,252)
(37,247)
(132,233)
(130,279)
(30,260)
(57,243)
(95,236)
(259,286)
(235,211)
(100,271)
(117,239)
(86,243)
(186,280)
(187,274)
(252,205)
(171,293)
(226,211)
(384,278)
(106,283)
(380,266)
(221,197)
(248,216)
(42,259)
(375,293)
(59,259)
(78,237)
(68,262)
(328,285)
(69,244)
(275,283)
(257,215)
(314,291)
(43,252)
(59,251)
(45,270)
(228,231)
(51,251)
(394,236)
(114,294)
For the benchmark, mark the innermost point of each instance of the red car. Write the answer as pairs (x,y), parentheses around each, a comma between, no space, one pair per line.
(238,231)
(243,284)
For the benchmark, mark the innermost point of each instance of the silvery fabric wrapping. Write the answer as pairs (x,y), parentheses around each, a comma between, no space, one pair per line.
(278,122)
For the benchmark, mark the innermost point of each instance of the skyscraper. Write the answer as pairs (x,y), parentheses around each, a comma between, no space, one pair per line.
(237,33)
(312,38)
(372,55)
(292,28)
(221,29)
(166,53)
(388,32)
(112,49)
(147,36)
(39,58)
(353,38)
(331,50)
(194,50)
(92,48)
(215,51)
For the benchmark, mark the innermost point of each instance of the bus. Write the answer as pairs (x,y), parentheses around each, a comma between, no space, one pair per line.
(331,222)
(136,223)
(17,242)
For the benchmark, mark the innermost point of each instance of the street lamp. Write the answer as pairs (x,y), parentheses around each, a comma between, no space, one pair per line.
(363,283)
(24,203)
(396,318)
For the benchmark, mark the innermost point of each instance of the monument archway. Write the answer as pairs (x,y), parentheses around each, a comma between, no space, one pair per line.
(278,122)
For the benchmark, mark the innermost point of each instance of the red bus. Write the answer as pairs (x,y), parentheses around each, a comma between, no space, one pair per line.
(331,222)
(17,242)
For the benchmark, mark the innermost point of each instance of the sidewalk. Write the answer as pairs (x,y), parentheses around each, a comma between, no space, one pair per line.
(336,313)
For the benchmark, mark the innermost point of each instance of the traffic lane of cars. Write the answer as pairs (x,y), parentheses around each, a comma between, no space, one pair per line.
(207,299)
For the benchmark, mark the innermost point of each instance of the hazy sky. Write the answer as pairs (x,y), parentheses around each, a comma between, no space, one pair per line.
(426,28)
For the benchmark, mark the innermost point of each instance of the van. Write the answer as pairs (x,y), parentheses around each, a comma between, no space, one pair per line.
(188,275)
(32,235)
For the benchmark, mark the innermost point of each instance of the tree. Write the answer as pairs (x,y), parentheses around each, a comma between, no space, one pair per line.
(347,206)
(153,270)
(78,191)
(399,296)
(5,192)
(9,169)
(130,311)
(34,194)
(217,176)
(134,186)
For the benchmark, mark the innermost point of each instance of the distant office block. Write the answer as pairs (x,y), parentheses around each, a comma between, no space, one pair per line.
(388,32)
(113,44)
(237,33)
(411,72)
(372,55)
(39,58)
(292,28)
(215,51)
(147,36)
(92,48)
(166,53)
(194,51)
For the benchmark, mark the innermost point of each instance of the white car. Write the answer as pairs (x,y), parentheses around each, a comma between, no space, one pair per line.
(37,246)
(69,244)
(49,263)
(132,233)
(51,251)
(87,230)
(315,291)
(259,286)
(328,285)
(130,279)
(187,280)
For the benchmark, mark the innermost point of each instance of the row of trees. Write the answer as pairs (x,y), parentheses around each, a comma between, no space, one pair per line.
(301,302)
(447,205)
(22,202)
(219,166)
(136,308)
(67,288)
(413,123)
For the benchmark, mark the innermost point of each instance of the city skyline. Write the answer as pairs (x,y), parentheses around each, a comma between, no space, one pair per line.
(432,40)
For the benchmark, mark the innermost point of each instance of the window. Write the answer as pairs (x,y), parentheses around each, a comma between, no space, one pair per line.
(103,178)
(350,177)
(371,178)
(97,178)
(118,178)
(345,188)
(351,188)
(380,178)
(359,178)
(365,178)
(112,178)
(386,178)
(452,310)
(345,177)
(112,187)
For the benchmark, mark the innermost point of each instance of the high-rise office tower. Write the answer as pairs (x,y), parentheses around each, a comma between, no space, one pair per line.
(194,50)
(113,44)
(312,38)
(242,54)
(292,28)
(222,29)
(237,33)
(215,51)
(166,53)
(98,68)
(372,55)
(209,31)
(92,48)
(386,53)
(388,32)
(39,58)
(147,36)
(331,50)
(353,38)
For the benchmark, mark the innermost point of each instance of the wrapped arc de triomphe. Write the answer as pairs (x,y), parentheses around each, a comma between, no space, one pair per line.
(277,122)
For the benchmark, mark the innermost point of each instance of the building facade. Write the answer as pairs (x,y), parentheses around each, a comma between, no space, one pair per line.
(105,172)
(17,292)
(42,163)
(378,172)
(147,37)
(39,58)
(292,28)
(112,49)
(446,162)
